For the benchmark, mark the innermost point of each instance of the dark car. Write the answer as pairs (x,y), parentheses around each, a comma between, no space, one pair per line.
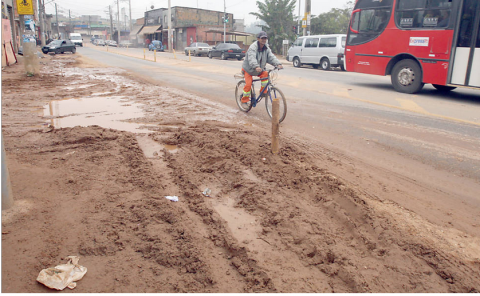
(59,46)
(227,51)
(155,45)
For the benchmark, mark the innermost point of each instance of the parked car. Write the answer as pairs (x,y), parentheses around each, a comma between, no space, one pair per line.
(125,43)
(198,48)
(227,51)
(111,43)
(156,45)
(325,51)
(99,42)
(59,46)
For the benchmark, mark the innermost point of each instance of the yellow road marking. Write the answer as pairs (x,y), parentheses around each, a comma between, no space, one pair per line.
(412,106)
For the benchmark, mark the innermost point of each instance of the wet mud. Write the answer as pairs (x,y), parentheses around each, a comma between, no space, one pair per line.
(270,223)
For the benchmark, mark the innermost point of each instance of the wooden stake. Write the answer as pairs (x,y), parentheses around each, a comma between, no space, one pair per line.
(275,125)
(144,57)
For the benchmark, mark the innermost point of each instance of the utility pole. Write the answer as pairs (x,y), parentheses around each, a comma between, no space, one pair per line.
(70,21)
(308,5)
(41,12)
(224,20)
(130,12)
(118,21)
(111,22)
(170,37)
(58,29)
(89,26)
(299,17)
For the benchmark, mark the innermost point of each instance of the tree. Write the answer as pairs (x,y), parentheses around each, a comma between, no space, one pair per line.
(335,21)
(278,16)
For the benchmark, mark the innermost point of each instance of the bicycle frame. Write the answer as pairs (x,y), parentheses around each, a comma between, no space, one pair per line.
(266,89)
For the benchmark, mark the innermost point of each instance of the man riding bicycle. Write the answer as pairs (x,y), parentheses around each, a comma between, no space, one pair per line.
(258,55)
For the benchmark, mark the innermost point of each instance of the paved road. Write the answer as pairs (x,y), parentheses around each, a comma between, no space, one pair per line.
(429,138)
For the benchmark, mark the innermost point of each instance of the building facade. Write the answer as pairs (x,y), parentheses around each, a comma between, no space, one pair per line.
(189,25)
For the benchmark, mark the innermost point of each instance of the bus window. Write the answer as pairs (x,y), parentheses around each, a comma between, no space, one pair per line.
(423,14)
(411,4)
(368,24)
(467,23)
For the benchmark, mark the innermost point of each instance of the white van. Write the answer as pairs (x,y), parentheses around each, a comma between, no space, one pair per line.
(76,39)
(325,51)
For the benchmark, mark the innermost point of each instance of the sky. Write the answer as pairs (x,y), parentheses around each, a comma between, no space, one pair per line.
(240,8)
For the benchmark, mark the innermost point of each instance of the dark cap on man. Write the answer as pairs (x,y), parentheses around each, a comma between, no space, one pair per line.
(262,34)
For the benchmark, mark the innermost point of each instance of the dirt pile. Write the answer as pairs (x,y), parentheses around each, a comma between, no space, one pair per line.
(269,223)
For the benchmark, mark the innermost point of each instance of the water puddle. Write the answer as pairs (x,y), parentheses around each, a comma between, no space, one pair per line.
(153,149)
(78,87)
(107,112)
(244,226)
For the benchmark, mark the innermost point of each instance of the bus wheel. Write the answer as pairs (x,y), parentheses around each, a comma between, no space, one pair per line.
(443,88)
(407,77)
(296,63)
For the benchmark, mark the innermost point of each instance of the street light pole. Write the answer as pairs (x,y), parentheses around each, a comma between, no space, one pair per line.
(299,16)
(118,21)
(130,12)
(224,20)
(56,13)
(170,39)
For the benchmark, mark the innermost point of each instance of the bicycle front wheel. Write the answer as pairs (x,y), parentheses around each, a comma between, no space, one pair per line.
(276,93)
(245,107)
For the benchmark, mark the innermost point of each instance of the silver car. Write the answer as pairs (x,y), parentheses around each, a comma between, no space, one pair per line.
(111,43)
(198,49)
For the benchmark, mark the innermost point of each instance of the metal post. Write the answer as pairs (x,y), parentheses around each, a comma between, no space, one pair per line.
(7,194)
(170,37)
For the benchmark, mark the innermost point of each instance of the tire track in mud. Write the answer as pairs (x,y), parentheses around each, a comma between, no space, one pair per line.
(271,224)
(306,211)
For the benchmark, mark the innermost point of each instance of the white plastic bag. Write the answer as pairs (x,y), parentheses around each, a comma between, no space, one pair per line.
(64,275)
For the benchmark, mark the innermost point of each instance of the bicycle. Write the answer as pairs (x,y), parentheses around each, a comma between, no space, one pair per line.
(270,91)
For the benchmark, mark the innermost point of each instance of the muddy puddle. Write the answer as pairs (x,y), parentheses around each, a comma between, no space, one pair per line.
(108,112)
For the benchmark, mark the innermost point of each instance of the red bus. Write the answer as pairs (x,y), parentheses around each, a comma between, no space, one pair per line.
(416,42)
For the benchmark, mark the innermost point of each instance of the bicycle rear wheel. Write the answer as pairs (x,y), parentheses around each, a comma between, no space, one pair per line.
(276,93)
(245,107)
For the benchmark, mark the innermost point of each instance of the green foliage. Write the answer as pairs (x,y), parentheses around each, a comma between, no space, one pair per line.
(335,21)
(278,14)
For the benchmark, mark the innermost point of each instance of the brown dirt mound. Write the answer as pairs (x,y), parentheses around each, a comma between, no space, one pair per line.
(270,223)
